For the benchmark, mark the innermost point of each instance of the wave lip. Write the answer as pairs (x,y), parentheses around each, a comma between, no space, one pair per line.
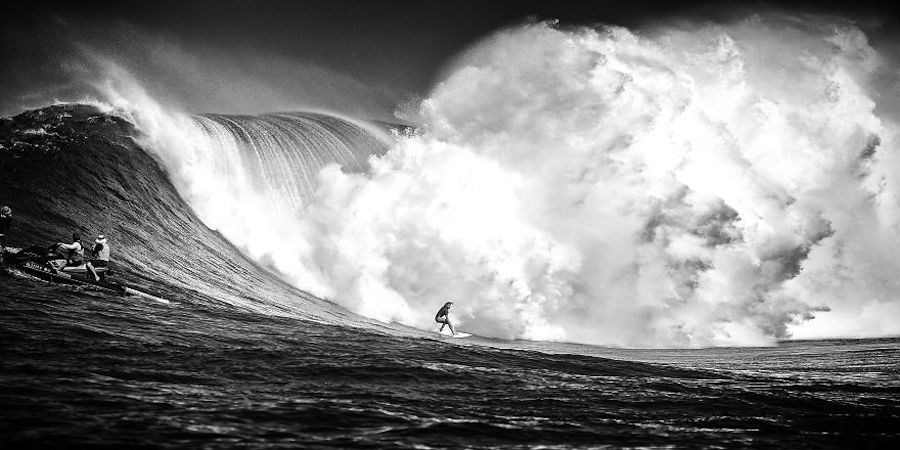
(279,155)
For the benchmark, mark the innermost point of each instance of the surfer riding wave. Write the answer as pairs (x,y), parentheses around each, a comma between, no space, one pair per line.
(443,317)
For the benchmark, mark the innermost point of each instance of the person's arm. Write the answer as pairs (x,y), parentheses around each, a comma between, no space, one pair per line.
(72,246)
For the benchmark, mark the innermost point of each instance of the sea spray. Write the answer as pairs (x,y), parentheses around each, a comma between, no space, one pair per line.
(685,187)
(597,186)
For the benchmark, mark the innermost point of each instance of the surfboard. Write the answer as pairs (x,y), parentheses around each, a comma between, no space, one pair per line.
(459,334)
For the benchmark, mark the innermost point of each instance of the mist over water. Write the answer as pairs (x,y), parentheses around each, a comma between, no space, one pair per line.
(728,185)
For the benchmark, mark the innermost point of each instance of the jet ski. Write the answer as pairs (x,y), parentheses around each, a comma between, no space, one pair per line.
(47,264)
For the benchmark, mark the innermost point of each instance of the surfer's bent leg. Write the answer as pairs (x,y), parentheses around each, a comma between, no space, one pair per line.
(443,320)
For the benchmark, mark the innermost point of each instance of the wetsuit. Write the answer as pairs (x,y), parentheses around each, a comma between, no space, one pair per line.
(441,316)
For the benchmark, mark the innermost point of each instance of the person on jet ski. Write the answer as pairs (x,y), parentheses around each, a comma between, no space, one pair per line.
(99,255)
(76,254)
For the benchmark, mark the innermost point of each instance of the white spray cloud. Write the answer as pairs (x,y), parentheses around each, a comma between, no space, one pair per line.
(714,186)
(699,188)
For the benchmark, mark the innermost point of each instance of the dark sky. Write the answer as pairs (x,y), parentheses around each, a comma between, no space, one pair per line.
(249,56)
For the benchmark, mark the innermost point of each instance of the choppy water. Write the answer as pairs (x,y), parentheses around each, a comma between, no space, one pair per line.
(81,367)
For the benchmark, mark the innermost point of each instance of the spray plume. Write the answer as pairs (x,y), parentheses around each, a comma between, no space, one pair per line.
(726,185)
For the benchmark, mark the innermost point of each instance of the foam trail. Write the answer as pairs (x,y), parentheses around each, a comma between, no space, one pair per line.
(588,185)
(138,293)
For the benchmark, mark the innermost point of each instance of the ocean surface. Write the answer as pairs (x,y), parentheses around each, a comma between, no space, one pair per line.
(224,354)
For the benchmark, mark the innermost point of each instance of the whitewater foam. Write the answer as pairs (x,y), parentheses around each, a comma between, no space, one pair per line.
(718,185)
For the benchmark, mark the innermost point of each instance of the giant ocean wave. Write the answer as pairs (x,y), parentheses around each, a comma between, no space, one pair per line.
(720,185)
(589,185)
(74,168)
(241,357)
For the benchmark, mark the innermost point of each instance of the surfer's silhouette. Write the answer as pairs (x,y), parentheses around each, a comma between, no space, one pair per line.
(443,317)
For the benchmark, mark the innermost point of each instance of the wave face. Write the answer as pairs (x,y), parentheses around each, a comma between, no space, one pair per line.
(586,185)
(73,168)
